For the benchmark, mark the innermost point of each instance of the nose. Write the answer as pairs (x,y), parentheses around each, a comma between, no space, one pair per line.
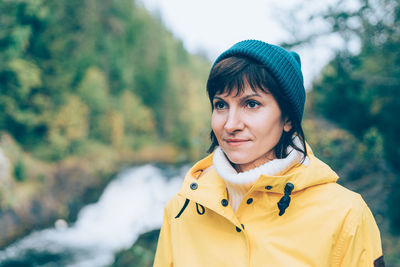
(233,121)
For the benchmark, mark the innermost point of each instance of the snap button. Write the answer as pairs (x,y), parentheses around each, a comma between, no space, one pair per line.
(249,201)
(238,229)
(193,186)
(224,202)
(268,187)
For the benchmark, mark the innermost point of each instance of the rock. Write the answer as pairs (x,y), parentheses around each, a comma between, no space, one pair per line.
(141,253)
(5,172)
(61,224)
(6,181)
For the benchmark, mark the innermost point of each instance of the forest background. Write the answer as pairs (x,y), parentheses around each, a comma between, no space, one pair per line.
(90,87)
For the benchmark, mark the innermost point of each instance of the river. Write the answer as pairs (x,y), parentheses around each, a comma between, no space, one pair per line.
(130,205)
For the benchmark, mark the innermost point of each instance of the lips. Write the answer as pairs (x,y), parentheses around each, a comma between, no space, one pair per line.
(236,142)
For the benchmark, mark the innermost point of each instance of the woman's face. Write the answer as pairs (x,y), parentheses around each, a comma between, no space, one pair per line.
(248,126)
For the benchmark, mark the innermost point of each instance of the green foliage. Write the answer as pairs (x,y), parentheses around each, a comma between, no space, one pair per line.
(353,159)
(362,91)
(138,118)
(394,200)
(93,90)
(27,74)
(70,125)
(95,71)
(20,171)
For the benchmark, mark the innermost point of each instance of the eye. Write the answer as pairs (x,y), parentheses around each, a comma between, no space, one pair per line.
(252,104)
(219,105)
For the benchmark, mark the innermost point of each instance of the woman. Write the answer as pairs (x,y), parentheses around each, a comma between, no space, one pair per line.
(262,198)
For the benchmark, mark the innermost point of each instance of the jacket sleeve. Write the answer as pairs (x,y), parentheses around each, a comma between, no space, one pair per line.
(163,257)
(360,243)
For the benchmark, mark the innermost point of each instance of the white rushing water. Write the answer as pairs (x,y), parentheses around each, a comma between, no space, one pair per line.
(130,205)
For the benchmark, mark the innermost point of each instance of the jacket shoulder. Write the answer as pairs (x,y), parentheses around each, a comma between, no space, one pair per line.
(334,199)
(341,195)
(352,200)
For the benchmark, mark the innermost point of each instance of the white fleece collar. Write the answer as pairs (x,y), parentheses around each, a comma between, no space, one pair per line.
(273,167)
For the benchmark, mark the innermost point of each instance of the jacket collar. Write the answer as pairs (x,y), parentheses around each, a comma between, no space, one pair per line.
(210,188)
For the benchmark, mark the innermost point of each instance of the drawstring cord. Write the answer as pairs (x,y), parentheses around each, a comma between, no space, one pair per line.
(284,202)
(183,208)
(200,208)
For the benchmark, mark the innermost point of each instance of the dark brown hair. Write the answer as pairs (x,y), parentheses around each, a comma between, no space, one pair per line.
(234,73)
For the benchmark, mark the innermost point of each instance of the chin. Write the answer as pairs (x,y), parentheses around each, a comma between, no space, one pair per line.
(237,158)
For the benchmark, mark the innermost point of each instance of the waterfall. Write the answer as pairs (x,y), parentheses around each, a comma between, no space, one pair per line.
(130,205)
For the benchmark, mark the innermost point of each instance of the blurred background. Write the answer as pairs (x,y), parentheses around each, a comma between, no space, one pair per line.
(103,108)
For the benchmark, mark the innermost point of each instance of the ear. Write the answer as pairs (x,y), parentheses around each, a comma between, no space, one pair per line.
(287,125)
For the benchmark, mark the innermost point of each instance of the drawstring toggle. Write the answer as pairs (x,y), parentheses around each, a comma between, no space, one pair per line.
(285,200)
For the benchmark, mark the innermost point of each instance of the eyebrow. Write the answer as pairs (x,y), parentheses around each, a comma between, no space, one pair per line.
(244,98)
(250,96)
(217,97)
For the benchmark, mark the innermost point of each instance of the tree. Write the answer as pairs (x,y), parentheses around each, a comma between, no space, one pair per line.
(362,91)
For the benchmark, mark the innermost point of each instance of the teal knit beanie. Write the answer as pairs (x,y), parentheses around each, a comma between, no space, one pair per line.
(283,65)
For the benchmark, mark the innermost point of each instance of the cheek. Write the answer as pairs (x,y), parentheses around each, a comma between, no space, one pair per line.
(216,123)
(268,123)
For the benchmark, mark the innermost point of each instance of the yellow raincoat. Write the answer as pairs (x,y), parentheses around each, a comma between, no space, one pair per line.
(325,224)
